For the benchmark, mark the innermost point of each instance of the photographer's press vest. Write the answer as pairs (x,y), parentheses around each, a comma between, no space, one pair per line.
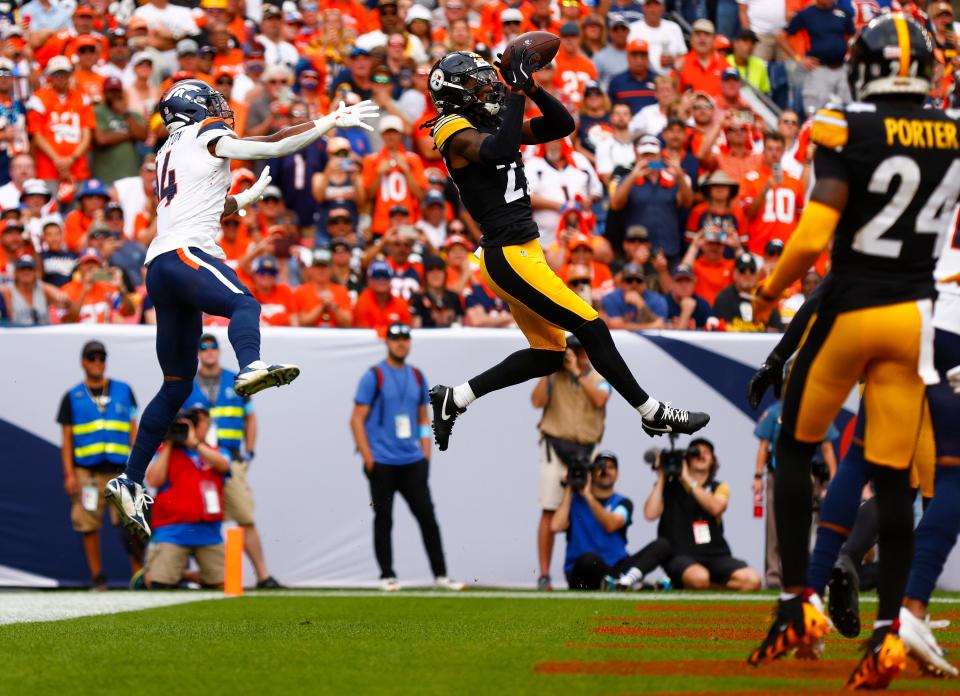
(569,413)
(228,413)
(681,512)
(101,432)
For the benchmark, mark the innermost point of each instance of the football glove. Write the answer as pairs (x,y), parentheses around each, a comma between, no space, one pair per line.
(769,375)
(518,76)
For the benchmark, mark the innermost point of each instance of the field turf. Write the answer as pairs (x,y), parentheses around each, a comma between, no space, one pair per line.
(426,643)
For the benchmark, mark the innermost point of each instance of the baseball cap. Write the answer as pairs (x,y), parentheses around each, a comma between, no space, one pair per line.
(434,262)
(93,348)
(135,23)
(58,64)
(398,330)
(379,269)
(339,211)
(592,86)
(455,239)
(84,11)
(938,8)
(359,51)
(92,187)
(730,74)
(637,232)
(399,210)
(578,241)
(674,121)
(391,122)
(339,243)
(683,271)
(704,25)
(511,14)
(186,47)
(745,263)
(141,57)
(25,261)
(648,145)
(433,197)
(99,232)
(90,254)
(270,12)
(638,46)
(712,233)
(86,40)
(751,35)
(34,187)
(6,66)
(721,42)
(266,264)
(112,84)
(617,20)
(322,255)
(272,192)
(13,225)
(570,29)
(418,12)
(633,271)
(773,248)
(208,341)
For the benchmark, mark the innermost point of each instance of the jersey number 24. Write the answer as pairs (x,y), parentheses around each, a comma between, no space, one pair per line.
(166,182)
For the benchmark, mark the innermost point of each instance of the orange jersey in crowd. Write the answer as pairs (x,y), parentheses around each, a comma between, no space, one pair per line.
(491,22)
(61,122)
(90,83)
(573,73)
(394,188)
(275,306)
(601,278)
(701,78)
(307,297)
(97,306)
(778,217)
(712,277)
(369,314)
(75,226)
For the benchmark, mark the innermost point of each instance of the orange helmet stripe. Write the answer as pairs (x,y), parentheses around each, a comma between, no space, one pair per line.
(903,41)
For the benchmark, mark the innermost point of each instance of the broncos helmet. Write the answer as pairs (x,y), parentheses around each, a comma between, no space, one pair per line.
(456,83)
(892,54)
(192,101)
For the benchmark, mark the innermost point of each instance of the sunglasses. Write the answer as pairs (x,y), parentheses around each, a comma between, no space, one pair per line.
(87,49)
(512,21)
(267,272)
(741,129)
(339,220)
(225,81)
(114,216)
(399,337)
(277,82)
(381,79)
(95,357)
(703,107)
(209,345)
(633,281)
(789,122)
(579,283)
(389,10)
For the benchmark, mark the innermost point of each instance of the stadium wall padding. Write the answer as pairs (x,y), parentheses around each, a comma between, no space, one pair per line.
(313,507)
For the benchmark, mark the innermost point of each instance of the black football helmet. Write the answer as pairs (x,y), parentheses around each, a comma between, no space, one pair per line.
(192,101)
(457,83)
(892,54)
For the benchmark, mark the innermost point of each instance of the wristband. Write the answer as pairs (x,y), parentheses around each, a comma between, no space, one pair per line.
(425,431)
(758,476)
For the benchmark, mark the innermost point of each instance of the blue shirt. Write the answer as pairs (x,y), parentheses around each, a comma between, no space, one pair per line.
(587,535)
(56,18)
(828,31)
(654,206)
(700,315)
(401,397)
(768,428)
(637,93)
(188,534)
(476,295)
(293,174)
(616,306)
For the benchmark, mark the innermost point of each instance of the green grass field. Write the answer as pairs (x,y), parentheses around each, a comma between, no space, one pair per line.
(303,643)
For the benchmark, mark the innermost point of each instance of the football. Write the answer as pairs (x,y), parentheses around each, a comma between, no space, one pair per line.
(539,46)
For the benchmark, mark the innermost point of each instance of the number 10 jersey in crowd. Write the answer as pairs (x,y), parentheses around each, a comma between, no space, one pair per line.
(192,187)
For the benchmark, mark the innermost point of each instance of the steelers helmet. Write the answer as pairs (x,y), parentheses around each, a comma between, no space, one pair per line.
(892,54)
(456,85)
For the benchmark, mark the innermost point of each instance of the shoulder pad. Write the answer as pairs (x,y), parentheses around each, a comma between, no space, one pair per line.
(448,126)
(829,128)
(212,123)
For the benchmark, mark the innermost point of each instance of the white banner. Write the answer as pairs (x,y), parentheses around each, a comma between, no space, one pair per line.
(313,505)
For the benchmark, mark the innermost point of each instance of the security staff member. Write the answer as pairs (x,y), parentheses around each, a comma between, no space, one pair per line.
(233,428)
(574,402)
(99,421)
(392,431)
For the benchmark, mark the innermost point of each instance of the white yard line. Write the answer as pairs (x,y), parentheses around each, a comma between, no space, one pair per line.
(25,607)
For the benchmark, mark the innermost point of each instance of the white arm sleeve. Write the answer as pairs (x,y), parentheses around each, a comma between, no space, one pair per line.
(237,148)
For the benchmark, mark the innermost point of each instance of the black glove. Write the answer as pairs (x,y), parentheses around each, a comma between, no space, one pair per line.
(769,375)
(518,76)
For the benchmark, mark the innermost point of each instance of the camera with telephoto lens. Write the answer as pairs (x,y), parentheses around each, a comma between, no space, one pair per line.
(577,473)
(178,432)
(669,461)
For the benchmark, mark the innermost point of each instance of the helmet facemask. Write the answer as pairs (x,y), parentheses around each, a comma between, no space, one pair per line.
(220,107)
(482,101)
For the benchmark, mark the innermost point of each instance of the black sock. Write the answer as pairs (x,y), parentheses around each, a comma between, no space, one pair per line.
(516,368)
(793,504)
(895,533)
(863,536)
(656,553)
(603,353)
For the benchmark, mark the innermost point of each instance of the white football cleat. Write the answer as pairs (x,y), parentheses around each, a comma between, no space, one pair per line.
(922,646)
(131,502)
(389,584)
(258,376)
(445,583)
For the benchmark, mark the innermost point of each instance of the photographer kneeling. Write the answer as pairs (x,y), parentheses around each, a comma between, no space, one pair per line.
(689,502)
(188,509)
(596,520)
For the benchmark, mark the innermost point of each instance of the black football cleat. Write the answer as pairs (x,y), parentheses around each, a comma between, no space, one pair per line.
(668,420)
(445,412)
(844,597)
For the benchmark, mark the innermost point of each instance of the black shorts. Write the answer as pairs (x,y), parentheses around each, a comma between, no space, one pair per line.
(719,567)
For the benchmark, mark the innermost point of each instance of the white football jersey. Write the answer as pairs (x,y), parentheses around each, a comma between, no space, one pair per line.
(192,188)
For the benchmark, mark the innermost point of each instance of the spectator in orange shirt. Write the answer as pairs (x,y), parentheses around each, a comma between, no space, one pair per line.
(705,255)
(277,304)
(61,122)
(95,292)
(702,66)
(90,83)
(234,239)
(460,270)
(223,79)
(736,157)
(320,301)
(392,176)
(581,254)
(772,199)
(376,306)
(574,70)
(93,197)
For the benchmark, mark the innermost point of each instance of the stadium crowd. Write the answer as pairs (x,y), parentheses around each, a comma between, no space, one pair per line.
(675,196)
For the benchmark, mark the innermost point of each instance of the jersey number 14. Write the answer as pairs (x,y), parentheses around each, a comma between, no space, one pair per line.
(166,182)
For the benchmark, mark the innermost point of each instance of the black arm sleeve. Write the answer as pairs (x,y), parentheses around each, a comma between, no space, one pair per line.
(502,146)
(556,121)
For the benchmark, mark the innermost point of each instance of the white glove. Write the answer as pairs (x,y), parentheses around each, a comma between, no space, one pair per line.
(953,377)
(349,117)
(252,194)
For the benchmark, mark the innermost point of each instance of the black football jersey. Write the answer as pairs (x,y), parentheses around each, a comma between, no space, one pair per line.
(901,163)
(496,196)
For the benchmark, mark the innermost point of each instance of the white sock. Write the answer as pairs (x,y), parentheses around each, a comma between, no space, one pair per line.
(882,624)
(631,577)
(648,408)
(257,365)
(463,395)
(787,596)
